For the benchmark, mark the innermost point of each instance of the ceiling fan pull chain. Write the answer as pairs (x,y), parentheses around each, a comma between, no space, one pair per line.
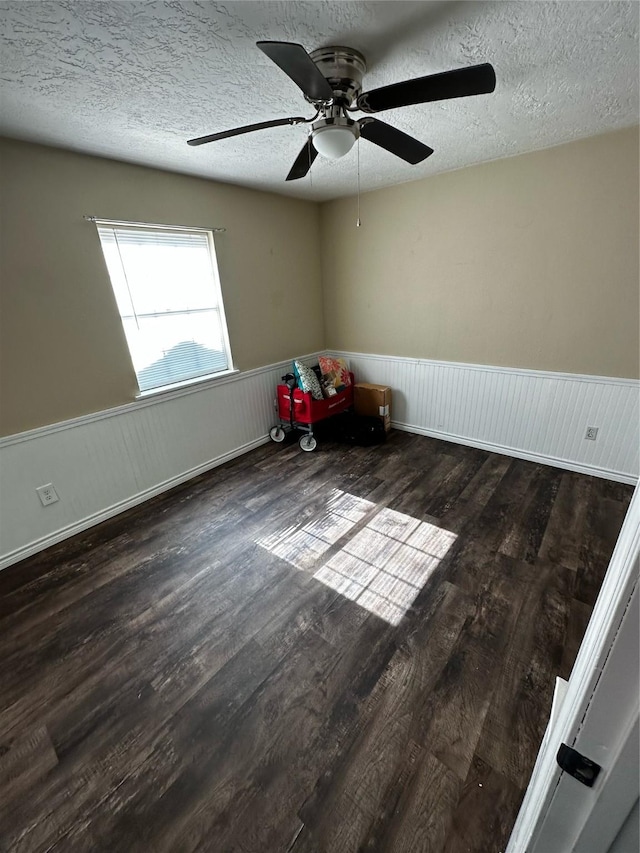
(358,152)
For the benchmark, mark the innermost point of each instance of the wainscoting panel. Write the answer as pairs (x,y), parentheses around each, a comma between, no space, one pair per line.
(104,463)
(525,413)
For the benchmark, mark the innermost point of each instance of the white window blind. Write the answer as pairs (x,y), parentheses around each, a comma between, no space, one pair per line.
(167,288)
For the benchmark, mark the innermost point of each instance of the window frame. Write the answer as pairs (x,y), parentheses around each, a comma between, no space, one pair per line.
(217,293)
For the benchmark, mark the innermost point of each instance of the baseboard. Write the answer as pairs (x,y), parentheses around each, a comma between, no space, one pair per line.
(567,464)
(122,506)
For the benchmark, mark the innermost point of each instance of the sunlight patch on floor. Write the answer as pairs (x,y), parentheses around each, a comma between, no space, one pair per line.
(382,568)
(302,544)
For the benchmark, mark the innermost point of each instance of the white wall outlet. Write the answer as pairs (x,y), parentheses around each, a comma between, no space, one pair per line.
(592,433)
(47,494)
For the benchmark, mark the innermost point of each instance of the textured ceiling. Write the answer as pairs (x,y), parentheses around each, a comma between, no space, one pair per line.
(134,80)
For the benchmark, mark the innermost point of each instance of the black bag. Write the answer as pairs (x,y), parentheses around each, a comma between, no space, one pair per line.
(358,430)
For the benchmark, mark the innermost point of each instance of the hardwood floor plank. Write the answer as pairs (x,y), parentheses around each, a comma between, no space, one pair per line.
(24,761)
(521,703)
(190,736)
(416,499)
(184,722)
(529,520)
(483,816)
(604,520)
(342,834)
(359,778)
(476,494)
(455,484)
(487,529)
(95,648)
(186,811)
(373,758)
(265,814)
(473,567)
(579,615)
(568,523)
(119,728)
(418,818)
(609,489)
(449,721)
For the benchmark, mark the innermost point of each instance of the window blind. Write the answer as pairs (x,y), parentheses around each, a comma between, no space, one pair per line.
(166,286)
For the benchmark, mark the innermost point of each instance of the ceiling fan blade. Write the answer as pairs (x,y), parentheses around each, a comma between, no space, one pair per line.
(294,60)
(394,140)
(475,80)
(303,162)
(247,128)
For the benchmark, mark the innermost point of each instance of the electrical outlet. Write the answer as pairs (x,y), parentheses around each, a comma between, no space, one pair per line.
(592,433)
(47,494)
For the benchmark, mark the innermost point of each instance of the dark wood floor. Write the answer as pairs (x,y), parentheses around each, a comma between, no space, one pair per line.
(178,679)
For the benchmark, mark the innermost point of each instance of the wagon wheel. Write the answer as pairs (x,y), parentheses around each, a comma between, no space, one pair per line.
(308,443)
(276,434)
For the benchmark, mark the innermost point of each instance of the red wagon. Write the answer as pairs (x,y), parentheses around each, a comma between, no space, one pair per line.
(297,410)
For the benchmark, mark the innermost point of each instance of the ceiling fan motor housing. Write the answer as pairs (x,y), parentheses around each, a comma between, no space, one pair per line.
(343,67)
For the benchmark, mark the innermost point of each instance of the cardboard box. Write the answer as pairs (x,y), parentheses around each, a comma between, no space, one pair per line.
(373,400)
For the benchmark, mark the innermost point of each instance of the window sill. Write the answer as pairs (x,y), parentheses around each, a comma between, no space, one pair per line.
(209,379)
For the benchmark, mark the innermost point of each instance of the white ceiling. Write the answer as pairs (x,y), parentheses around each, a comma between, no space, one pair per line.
(134,80)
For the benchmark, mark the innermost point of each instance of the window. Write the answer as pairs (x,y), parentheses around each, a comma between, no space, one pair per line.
(166,284)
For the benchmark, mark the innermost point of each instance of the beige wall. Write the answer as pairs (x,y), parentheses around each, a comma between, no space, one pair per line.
(526,262)
(62,348)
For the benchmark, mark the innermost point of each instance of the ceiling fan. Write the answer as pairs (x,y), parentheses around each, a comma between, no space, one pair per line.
(331,80)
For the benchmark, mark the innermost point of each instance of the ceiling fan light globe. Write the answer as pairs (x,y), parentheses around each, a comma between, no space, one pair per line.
(333,142)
